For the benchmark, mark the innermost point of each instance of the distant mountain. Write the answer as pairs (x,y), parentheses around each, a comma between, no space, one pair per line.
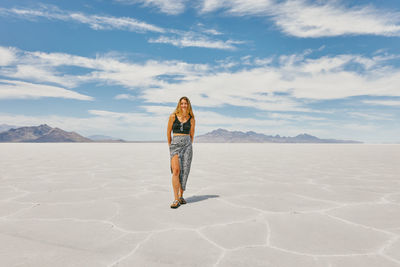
(42,133)
(6,127)
(225,136)
(105,138)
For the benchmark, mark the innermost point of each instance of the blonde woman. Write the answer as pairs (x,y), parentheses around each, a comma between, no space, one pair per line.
(181,123)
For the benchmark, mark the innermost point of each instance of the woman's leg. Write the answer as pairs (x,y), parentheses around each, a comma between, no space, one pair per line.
(186,162)
(176,185)
(180,193)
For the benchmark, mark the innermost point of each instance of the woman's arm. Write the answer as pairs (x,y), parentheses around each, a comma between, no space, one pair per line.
(169,128)
(192,125)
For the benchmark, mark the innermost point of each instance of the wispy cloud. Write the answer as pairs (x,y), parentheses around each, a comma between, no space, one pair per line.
(171,7)
(17,89)
(7,55)
(212,31)
(295,117)
(303,18)
(96,22)
(163,110)
(199,36)
(393,103)
(207,30)
(39,73)
(285,83)
(104,69)
(191,39)
(369,116)
(203,37)
(125,97)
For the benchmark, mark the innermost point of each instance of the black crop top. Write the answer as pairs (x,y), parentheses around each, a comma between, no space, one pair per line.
(179,127)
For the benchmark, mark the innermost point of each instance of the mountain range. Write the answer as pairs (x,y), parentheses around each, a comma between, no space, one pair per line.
(105,139)
(6,127)
(225,136)
(41,134)
(45,134)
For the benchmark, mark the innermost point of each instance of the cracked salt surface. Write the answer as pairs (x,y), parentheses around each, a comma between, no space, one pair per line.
(248,205)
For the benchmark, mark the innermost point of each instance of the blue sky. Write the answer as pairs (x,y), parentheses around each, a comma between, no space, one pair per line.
(118,67)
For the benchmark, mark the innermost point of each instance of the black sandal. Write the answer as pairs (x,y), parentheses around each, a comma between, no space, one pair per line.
(182,200)
(175,204)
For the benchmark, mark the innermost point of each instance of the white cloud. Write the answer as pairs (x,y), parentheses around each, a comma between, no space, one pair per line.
(7,55)
(285,87)
(295,117)
(125,97)
(203,28)
(174,37)
(45,67)
(171,7)
(382,102)
(368,116)
(262,61)
(212,31)
(96,22)
(39,73)
(245,88)
(212,5)
(239,7)
(159,110)
(146,75)
(191,39)
(301,18)
(18,89)
(285,83)
(304,18)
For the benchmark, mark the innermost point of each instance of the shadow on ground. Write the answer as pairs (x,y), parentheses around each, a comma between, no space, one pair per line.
(195,198)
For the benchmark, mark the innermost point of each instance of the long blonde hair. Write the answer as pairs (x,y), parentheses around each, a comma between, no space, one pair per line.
(178,110)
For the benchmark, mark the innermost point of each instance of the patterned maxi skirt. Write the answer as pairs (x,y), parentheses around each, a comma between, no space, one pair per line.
(182,145)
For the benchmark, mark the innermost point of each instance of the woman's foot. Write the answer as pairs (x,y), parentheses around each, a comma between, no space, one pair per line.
(182,200)
(175,204)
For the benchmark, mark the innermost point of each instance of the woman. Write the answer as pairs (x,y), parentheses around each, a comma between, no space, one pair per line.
(181,123)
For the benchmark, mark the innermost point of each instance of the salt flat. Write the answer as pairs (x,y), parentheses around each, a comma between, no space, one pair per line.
(248,205)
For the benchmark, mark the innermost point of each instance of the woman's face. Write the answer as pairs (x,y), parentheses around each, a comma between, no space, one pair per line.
(184,104)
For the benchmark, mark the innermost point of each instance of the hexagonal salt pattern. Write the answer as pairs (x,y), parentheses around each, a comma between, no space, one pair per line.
(278,205)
